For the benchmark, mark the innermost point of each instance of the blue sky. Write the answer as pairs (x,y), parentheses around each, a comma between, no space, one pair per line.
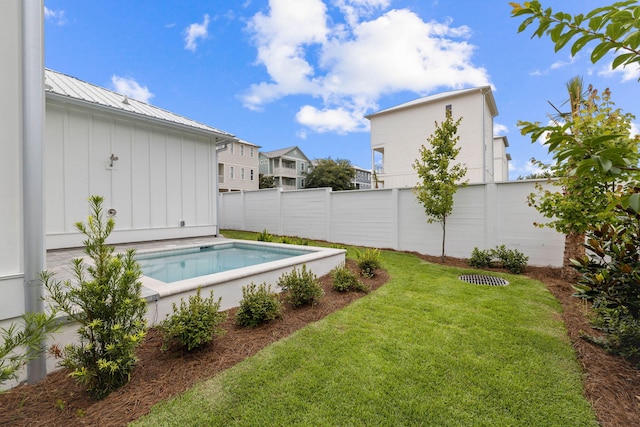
(305,72)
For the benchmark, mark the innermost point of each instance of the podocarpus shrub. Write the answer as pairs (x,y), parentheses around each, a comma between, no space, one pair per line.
(193,324)
(346,280)
(258,305)
(106,302)
(303,288)
(21,343)
(368,261)
(611,281)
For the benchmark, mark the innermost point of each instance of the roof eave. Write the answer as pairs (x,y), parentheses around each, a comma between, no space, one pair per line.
(65,99)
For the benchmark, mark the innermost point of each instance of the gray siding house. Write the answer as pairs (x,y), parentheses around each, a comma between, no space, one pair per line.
(287,165)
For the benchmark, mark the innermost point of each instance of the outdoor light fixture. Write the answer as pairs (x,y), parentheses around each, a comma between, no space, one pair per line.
(113,158)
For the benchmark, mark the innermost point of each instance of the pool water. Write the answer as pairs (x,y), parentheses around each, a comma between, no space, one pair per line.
(176,265)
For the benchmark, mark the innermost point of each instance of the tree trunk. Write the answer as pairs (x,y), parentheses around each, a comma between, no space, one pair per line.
(444,233)
(573,249)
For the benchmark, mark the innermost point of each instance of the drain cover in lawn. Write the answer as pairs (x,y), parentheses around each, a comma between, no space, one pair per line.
(483,279)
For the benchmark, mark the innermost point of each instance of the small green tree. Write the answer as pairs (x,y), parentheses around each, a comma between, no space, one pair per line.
(107,304)
(581,200)
(439,176)
(21,344)
(337,174)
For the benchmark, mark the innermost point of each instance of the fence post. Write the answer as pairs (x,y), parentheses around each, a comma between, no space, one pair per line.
(395,230)
(328,216)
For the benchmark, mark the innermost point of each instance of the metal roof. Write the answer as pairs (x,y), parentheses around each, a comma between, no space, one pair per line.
(63,86)
(444,95)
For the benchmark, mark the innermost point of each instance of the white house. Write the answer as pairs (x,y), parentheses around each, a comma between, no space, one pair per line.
(501,158)
(156,170)
(238,167)
(398,132)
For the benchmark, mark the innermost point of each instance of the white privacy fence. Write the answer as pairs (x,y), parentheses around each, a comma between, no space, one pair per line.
(484,215)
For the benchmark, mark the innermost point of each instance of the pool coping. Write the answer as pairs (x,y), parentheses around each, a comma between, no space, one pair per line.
(155,289)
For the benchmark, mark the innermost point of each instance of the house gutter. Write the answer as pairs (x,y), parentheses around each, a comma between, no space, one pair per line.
(32,168)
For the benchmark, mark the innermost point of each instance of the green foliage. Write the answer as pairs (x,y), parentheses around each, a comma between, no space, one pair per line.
(258,305)
(537,175)
(294,241)
(303,288)
(481,258)
(613,29)
(611,281)
(193,324)
(593,154)
(511,259)
(264,236)
(106,301)
(22,344)
(439,176)
(337,174)
(368,261)
(346,280)
(266,181)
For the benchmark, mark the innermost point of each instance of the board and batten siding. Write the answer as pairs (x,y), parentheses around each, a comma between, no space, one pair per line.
(162,176)
(484,216)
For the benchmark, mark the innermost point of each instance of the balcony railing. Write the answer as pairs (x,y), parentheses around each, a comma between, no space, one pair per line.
(292,172)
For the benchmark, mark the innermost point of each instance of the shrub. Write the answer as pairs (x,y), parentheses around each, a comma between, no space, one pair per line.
(192,325)
(302,288)
(294,241)
(511,259)
(35,328)
(368,261)
(258,305)
(264,236)
(346,280)
(611,281)
(480,259)
(108,305)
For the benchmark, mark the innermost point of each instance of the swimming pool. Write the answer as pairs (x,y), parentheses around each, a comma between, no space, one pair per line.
(180,264)
(162,290)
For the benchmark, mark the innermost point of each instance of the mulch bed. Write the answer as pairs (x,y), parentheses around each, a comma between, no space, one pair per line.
(611,384)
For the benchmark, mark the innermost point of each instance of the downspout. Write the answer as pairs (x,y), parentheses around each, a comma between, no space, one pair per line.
(33,110)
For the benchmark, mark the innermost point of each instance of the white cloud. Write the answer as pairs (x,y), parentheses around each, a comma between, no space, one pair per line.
(528,168)
(499,129)
(560,64)
(635,129)
(348,67)
(194,32)
(131,88)
(56,16)
(627,73)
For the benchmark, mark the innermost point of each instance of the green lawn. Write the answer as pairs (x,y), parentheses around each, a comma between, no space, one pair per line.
(425,349)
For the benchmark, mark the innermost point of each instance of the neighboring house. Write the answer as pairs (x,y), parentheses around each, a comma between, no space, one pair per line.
(398,132)
(155,169)
(501,158)
(238,167)
(362,180)
(287,166)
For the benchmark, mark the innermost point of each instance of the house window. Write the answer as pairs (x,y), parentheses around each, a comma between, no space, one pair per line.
(447,110)
(242,150)
(232,172)
(251,151)
(251,174)
(242,172)
(231,147)
(302,167)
